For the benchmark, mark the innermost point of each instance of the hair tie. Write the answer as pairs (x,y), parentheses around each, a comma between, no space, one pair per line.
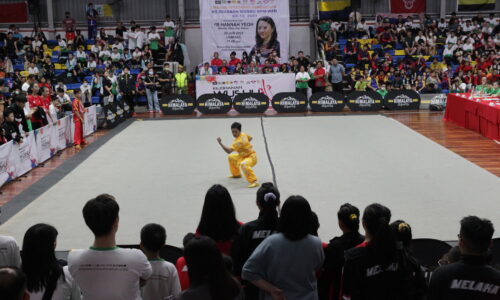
(353,217)
(269,196)
(403,226)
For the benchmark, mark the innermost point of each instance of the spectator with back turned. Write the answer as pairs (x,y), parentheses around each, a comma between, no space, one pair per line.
(377,269)
(253,233)
(348,220)
(470,278)
(13,284)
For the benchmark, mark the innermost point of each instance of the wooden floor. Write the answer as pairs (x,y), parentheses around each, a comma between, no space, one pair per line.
(469,144)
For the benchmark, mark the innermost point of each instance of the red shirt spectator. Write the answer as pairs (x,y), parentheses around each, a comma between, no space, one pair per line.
(216,62)
(182,271)
(69,23)
(234,61)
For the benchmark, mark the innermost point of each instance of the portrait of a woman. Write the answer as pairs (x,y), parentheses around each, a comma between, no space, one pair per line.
(266,37)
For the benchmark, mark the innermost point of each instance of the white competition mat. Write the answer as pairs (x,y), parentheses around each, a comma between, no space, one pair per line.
(160,170)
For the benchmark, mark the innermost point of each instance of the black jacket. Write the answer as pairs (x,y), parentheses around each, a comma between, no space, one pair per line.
(126,83)
(249,237)
(367,277)
(470,278)
(11,131)
(329,281)
(19,116)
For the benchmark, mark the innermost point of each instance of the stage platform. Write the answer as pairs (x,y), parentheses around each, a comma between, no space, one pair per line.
(159,171)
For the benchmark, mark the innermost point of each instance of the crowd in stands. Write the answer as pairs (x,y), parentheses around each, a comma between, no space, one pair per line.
(431,56)
(276,256)
(133,65)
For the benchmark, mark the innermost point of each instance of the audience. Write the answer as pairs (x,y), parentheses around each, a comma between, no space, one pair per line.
(376,268)
(164,281)
(13,284)
(208,275)
(9,252)
(218,218)
(348,220)
(46,276)
(470,277)
(104,265)
(278,265)
(253,233)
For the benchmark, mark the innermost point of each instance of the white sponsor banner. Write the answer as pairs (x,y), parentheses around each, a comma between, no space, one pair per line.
(90,121)
(44,143)
(268,84)
(244,25)
(25,155)
(7,166)
(63,133)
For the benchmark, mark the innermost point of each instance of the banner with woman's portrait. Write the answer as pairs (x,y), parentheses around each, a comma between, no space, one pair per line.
(254,27)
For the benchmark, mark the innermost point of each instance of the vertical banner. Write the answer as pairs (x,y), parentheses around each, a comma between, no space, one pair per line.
(7,166)
(239,25)
(90,124)
(62,133)
(407,6)
(25,155)
(44,143)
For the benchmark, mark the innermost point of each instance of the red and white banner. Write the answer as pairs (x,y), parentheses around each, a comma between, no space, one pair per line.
(25,155)
(90,121)
(44,144)
(38,146)
(408,6)
(268,84)
(7,166)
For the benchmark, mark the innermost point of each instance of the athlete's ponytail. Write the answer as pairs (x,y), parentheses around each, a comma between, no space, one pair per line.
(376,218)
(268,199)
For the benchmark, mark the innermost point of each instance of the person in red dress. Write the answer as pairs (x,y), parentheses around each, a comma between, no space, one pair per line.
(78,118)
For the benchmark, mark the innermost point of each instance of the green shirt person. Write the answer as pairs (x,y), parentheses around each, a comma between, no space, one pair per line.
(382,91)
(495,89)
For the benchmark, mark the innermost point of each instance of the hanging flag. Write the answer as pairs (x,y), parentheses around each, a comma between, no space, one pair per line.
(104,10)
(408,6)
(476,5)
(334,9)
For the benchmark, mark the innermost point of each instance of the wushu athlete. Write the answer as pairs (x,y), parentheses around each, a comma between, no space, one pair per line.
(245,157)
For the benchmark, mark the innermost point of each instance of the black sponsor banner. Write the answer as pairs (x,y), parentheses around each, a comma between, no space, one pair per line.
(402,100)
(214,103)
(426,100)
(364,101)
(327,102)
(177,104)
(251,103)
(289,102)
(111,118)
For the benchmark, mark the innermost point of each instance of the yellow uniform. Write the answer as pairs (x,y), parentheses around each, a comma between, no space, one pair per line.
(245,157)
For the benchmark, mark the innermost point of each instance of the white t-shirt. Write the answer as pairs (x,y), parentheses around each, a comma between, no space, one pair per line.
(164,281)
(302,75)
(141,37)
(33,71)
(105,53)
(81,54)
(153,36)
(9,252)
(109,274)
(91,64)
(115,56)
(66,289)
(451,39)
(168,24)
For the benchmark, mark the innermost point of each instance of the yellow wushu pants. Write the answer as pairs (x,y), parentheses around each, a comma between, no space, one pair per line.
(246,163)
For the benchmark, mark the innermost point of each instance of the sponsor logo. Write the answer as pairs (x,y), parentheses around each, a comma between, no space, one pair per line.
(439,99)
(250,103)
(177,104)
(289,102)
(409,3)
(213,103)
(364,101)
(327,101)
